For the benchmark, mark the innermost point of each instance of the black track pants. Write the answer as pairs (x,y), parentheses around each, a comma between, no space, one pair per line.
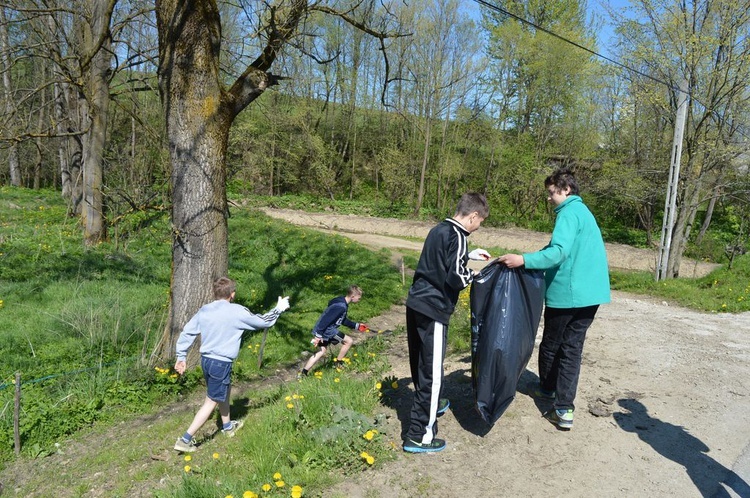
(561,351)
(426,339)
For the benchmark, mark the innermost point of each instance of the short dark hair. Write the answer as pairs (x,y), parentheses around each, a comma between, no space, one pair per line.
(223,288)
(561,179)
(353,290)
(471,202)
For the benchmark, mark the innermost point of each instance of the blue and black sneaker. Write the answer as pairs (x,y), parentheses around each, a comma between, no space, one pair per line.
(414,447)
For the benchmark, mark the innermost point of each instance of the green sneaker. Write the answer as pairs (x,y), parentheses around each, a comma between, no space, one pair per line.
(184,447)
(236,425)
(563,419)
(443,405)
(415,447)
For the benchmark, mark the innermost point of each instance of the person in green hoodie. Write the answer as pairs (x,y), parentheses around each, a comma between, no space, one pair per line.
(577,278)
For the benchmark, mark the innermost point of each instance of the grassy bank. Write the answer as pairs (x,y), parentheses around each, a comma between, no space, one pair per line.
(80,324)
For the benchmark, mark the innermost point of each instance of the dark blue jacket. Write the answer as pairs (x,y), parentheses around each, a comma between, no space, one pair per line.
(334,316)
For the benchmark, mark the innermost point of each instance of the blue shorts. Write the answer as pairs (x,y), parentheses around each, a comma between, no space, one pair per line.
(332,341)
(218,378)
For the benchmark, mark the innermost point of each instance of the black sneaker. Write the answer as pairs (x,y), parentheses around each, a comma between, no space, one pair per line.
(443,405)
(414,447)
(539,393)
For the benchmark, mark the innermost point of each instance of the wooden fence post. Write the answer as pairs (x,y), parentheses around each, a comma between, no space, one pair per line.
(17,414)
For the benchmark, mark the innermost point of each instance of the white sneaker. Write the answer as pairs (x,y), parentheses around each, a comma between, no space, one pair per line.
(184,447)
(236,425)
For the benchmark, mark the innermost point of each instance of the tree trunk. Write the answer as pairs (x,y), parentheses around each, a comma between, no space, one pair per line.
(198,133)
(709,215)
(683,225)
(423,169)
(96,106)
(13,163)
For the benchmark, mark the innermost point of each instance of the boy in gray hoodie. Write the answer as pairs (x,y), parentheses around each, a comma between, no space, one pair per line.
(220,324)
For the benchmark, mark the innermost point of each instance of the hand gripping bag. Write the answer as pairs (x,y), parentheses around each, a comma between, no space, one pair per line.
(506,307)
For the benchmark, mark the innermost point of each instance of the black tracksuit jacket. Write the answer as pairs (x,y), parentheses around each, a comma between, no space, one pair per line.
(441,272)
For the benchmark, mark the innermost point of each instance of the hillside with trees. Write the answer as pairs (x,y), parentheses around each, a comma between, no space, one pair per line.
(130,108)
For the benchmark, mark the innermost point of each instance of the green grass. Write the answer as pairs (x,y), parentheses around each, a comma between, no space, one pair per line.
(723,290)
(80,324)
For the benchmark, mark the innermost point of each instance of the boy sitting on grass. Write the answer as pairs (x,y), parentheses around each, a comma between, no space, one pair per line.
(220,324)
(326,331)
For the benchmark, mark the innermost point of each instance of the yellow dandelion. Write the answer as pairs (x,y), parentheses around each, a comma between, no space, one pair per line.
(355,355)
(370,459)
(277,476)
(394,385)
(296,491)
(378,386)
(266,487)
(368,435)
(280,484)
(724,305)
(249,494)
(337,379)
(229,496)
(188,458)
(187,468)
(216,456)
(290,405)
(288,398)
(295,396)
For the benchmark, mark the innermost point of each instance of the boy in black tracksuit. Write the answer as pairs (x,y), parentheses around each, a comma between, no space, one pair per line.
(440,276)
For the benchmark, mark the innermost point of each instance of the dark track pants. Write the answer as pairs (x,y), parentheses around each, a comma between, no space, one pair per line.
(426,339)
(561,351)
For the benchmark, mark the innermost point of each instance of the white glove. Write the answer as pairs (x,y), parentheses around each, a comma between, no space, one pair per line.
(283,304)
(479,255)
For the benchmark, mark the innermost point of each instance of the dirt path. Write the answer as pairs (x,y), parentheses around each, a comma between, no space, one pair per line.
(384,232)
(662,409)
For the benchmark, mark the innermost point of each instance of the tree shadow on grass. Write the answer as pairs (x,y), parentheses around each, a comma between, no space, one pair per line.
(675,443)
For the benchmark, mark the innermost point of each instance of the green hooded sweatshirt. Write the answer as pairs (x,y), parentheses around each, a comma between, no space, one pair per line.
(575,261)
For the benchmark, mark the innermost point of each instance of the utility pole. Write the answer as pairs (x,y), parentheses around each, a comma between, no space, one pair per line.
(670,203)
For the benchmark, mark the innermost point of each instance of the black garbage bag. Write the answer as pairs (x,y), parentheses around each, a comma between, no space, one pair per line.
(506,307)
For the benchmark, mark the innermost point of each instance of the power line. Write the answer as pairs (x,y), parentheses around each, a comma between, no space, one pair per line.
(597,54)
(576,44)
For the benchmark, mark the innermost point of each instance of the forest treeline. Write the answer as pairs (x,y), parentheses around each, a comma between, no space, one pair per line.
(407,104)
